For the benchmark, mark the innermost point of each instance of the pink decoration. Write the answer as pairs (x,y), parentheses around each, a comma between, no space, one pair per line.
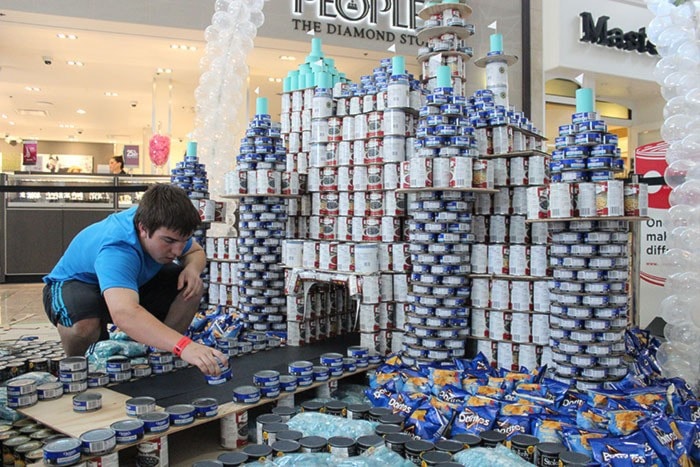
(159,149)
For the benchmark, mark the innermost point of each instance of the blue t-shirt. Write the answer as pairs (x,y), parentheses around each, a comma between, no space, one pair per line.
(108,253)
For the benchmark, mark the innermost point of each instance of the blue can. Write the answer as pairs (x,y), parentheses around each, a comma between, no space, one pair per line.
(266,378)
(331,359)
(349,364)
(181,414)
(288,383)
(592,125)
(65,451)
(246,394)
(305,380)
(128,431)
(589,138)
(581,117)
(205,407)
(270,392)
(321,373)
(301,368)
(155,422)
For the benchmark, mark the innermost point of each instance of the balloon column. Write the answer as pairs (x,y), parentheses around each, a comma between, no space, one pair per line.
(675,30)
(219,97)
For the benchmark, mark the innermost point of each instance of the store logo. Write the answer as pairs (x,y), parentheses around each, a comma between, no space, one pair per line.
(402,12)
(598,33)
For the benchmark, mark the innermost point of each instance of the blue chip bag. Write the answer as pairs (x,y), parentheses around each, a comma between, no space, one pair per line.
(378,397)
(426,422)
(413,381)
(664,437)
(548,428)
(572,402)
(520,407)
(404,403)
(480,401)
(624,422)
(689,411)
(511,425)
(473,420)
(578,440)
(591,418)
(440,378)
(472,383)
(690,433)
(382,375)
(447,409)
(612,452)
(453,394)
(641,439)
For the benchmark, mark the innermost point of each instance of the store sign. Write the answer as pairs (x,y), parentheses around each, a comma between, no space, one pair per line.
(650,162)
(597,32)
(131,155)
(29,149)
(361,18)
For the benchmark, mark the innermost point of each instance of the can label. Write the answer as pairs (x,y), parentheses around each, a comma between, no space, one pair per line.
(636,199)
(609,198)
(420,173)
(480,174)
(560,200)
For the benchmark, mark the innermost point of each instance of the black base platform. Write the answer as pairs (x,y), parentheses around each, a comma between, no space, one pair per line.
(183,386)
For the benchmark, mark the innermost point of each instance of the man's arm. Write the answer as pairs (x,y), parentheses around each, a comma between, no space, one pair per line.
(193,263)
(140,325)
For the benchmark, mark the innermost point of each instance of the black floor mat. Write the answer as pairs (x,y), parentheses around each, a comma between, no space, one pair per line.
(183,386)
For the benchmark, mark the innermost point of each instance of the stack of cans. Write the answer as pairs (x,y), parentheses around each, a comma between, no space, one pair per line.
(73,373)
(258,274)
(191,176)
(589,252)
(439,285)
(118,369)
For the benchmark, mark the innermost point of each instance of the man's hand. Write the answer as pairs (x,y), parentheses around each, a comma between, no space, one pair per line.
(205,358)
(190,283)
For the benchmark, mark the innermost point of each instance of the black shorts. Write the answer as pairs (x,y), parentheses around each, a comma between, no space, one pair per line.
(68,302)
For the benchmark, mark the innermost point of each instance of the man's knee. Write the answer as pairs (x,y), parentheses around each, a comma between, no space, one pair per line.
(85,329)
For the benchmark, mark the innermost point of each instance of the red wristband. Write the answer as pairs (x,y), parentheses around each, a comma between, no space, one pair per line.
(181,344)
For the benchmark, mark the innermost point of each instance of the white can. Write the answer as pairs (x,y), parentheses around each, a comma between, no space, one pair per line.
(370,288)
(441,172)
(391,176)
(360,206)
(345,153)
(400,257)
(500,294)
(386,287)
(586,200)
(394,122)
(539,260)
(560,201)
(234,430)
(328,179)
(375,203)
(461,172)
(310,254)
(518,230)
(480,293)
(521,295)
(394,148)
(385,261)
(375,177)
(400,286)
(537,170)
(518,171)
(540,329)
(497,325)
(346,257)
(348,128)
(479,260)
(498,257)
(479,323)
(391,229)
(327,228)
(366,258)
(520,327)
(374,153)
(540,296)
(518,264)
(361,126)
(153,453)
(359,152)
(420,172)
(527,357)
(319,130)
(343,225)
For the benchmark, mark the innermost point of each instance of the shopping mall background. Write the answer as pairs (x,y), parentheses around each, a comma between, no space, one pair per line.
(544,34)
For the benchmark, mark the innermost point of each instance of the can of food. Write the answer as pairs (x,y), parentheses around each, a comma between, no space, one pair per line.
(20,387)
(246,394)
(311,444)
(87,402)
(181,414)
(65,451)
(266,378)
(118,363)
(128,431)
(98,442)
(71,364)
(155,422)
(205,407)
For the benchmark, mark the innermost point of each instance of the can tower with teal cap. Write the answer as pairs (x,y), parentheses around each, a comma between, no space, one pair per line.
(496,63)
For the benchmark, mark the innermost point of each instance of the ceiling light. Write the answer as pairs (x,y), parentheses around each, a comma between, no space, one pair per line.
(32,88)
(66,125)
(164,70)
(81,111)
(61,35)
(11,123)
(74,63)
(287,58)
(111,94)
(3,116)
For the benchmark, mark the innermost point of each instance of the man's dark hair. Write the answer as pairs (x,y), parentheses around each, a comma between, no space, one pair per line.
(167,206)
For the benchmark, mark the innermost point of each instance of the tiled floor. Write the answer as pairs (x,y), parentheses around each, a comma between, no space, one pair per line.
(22,313)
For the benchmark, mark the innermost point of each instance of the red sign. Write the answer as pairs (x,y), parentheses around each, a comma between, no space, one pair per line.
(650,162)
(29,153)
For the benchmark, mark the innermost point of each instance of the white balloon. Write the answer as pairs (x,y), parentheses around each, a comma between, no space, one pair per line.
(679,216)
(257,18)
(255,4)
(676,106)
(690,51)
(240,11)
(677,171)
(657,26)
(687,83)
(223,21)
(684,334)
(674,128)
(221,5)
(687,192)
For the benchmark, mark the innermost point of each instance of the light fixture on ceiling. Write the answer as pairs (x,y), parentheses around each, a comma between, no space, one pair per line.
(66,125)
(81,111)
(32,88)
(274,80)
(111,94)
(3,115)
(287,58)
(33,112)
(164,70)
(75,63)
(61,35)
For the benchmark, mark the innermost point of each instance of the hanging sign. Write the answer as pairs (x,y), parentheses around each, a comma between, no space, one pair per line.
(29,149)
(598,33)
(131,155)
